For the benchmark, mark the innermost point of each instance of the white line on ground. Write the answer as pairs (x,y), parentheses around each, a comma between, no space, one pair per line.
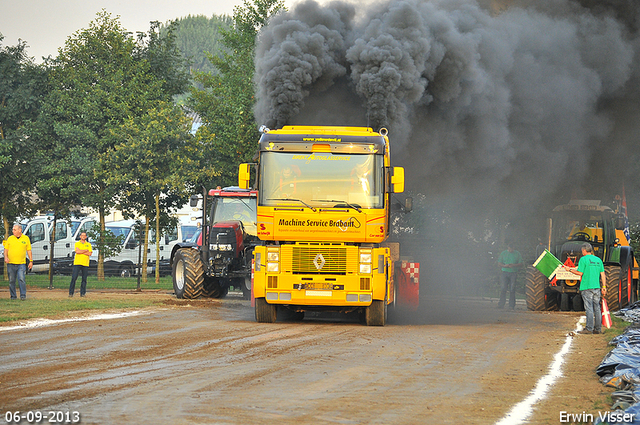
(38,323)
(521,411)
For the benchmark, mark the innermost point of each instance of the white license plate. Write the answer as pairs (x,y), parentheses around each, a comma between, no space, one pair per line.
(309,293)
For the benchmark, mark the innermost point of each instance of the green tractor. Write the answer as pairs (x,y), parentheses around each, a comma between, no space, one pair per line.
(570,226)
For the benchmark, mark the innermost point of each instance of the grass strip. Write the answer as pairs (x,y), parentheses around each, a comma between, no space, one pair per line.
(15,310)
(60,281)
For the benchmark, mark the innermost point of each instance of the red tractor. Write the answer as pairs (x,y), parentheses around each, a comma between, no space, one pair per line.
(224,261)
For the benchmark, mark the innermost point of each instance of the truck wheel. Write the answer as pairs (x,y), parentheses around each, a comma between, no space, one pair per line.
(246,288)
(265,312)
(188,274)
(536,291)
(624,288)
(212,288)
(613,287)
(564,302)
(578,305)
(125,271)
(376,313)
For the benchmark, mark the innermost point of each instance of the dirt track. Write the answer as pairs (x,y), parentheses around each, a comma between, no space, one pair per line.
(207,362)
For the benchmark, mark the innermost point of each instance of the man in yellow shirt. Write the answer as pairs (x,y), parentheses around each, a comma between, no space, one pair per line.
(81,265)
(16,250)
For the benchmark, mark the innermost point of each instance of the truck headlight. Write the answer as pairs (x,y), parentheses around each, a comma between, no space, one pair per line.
(365,257)
(365,268)
(273,256)
(272,267)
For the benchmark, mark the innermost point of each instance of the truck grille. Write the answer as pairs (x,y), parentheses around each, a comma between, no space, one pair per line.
(302,259)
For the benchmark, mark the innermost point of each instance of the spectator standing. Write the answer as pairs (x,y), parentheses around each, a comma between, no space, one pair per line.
(81,265)
(510,261)
(16,249)
(591,271)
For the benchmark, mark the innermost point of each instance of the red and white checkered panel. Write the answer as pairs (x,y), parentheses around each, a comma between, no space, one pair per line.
(412,270)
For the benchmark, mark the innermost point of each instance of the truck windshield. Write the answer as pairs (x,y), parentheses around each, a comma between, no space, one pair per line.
(235,208)
(120,232)
(578,226)
(322,179)
(188,232)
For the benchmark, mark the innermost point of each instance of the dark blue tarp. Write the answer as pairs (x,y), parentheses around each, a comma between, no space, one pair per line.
(620,369)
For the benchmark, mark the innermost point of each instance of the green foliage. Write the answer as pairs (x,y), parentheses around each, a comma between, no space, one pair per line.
(158,47)
(22,84)
(195,36)
(225,103)
(105,242)
(101,79)
(149,158)
(148,163)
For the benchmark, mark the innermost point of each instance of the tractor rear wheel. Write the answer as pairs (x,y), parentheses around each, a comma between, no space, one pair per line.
(265,312)
(613,286)
(188,274)
(536,291)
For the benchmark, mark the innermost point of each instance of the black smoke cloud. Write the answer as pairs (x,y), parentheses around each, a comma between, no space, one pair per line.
(504,105)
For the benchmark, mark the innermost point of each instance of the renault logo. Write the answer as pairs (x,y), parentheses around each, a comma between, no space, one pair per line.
(318,262)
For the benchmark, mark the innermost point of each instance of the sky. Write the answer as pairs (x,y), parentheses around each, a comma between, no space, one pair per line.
(46,24)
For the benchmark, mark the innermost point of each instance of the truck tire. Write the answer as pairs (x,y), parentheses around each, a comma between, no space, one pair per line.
(265,312)
(188,274)
(536,291)
(376,313)
(125,270)
(246,288)
(212,288)
(624,288)
(564,302)
(578,305)
(613,286)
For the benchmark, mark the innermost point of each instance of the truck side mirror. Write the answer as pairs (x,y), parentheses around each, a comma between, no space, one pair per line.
(193,201)
(397,180)
(620,222)
(244,175)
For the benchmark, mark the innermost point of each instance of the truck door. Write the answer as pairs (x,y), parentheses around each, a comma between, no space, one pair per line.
(37,232)
(64,246)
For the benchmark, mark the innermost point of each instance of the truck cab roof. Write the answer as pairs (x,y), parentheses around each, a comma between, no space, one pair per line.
(233,191)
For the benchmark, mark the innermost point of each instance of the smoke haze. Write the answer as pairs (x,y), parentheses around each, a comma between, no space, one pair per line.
(488,104)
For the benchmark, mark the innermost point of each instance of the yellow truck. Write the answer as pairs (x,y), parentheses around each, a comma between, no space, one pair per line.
(323,218)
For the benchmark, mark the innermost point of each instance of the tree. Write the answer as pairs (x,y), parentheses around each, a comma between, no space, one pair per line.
(22,85)
(198,35)
(158,48)
(149,160)
(225,104)
(102,77)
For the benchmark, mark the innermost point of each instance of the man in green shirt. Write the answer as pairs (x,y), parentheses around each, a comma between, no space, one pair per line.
(591,271)
(510,261)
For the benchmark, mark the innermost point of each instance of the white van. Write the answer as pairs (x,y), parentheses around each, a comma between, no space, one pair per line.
(178,234)
(40,229)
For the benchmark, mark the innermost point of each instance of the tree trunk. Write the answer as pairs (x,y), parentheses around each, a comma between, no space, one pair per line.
(100,271)
(52,249)
(6,235)
(146,248)
(157,238)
